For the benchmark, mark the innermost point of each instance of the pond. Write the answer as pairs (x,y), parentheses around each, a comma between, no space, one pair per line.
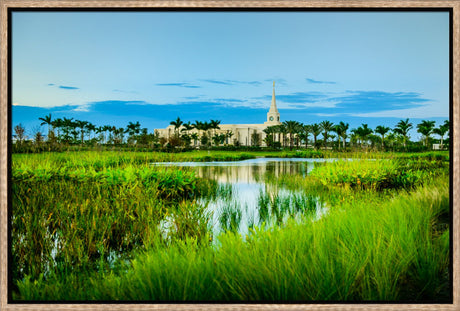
(249,194)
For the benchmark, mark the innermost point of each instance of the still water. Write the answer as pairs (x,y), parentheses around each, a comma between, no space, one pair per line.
(250,196)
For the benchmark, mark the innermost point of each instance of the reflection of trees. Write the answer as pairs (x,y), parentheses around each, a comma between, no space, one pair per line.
(252,173)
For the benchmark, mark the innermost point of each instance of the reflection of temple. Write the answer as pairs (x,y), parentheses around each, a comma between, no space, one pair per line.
(253,173)
(241,134)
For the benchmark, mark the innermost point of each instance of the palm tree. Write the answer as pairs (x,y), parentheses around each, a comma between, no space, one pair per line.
(426,128)
(199,126)
(214,125)
(177,124)
(341,130)
(67,126)
(304,132)
(315,130)
(82,125)
(205,138)
(344,127)
(47,120)
(355,138)
(118,135)
(403,128)
(90,127)
(269,135)
(195,137)
(299,129)
(382,130)
(282,130)
(187,127)
(132,129)
(326,127)
(363,132)
(292,127)
(57,124)
(442,130)
(105,129)
(228,135)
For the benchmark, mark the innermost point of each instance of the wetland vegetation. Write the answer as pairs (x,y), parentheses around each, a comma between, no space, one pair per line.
(292,226)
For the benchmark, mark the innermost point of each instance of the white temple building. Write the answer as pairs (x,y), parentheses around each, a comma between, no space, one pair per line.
(242,133)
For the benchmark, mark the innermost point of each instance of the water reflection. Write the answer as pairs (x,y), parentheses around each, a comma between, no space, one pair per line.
(250,195)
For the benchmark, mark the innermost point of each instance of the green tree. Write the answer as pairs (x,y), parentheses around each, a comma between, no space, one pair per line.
(91,128)
(255,139)
(214,125)
(82,126)
(19,131)
(402,128)
(47,120)
(363,133)
(382,130)
(341,130)
(326,127)
(228,135)
(58,124)
(441,131)
(426,128)
(292,128)
(315,130)
(304,133)
(132,129)
(195,138)
(177,124)
(269,135)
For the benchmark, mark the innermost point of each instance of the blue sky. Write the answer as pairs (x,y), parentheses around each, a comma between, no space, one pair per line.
(116,67)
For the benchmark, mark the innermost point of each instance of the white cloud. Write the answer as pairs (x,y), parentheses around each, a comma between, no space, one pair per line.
(82,108)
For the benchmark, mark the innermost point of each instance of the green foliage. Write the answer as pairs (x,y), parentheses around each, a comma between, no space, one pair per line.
(376,174)
(66,214)
(359,252)
(112,226)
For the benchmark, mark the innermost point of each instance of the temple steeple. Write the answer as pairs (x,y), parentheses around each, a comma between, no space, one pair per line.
(273,116)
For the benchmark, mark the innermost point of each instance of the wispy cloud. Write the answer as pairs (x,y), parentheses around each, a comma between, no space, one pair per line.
(232,82)
(68,87)
(319,82)
(231,100)
(191,97)
(223,82)
(180,84)
(297,97)
(82,108)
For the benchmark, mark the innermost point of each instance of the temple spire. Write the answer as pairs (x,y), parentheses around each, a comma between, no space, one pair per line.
(273,116)
(273,108)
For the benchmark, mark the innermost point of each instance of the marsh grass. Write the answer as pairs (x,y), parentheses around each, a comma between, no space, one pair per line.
(384,252)
(377,174)
(71,216)
(87,226)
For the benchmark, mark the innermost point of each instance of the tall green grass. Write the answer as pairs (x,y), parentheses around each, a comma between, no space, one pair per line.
(377,174)
(103,226)
(383,252)
(70,216)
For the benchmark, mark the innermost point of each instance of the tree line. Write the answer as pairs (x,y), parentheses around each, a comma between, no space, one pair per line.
(288,134)
(319,135)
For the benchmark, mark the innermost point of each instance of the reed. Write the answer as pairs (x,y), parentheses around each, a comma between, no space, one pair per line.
(110,226)
(360,252)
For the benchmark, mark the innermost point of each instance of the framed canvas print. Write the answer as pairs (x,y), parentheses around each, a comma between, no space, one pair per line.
(222,155)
